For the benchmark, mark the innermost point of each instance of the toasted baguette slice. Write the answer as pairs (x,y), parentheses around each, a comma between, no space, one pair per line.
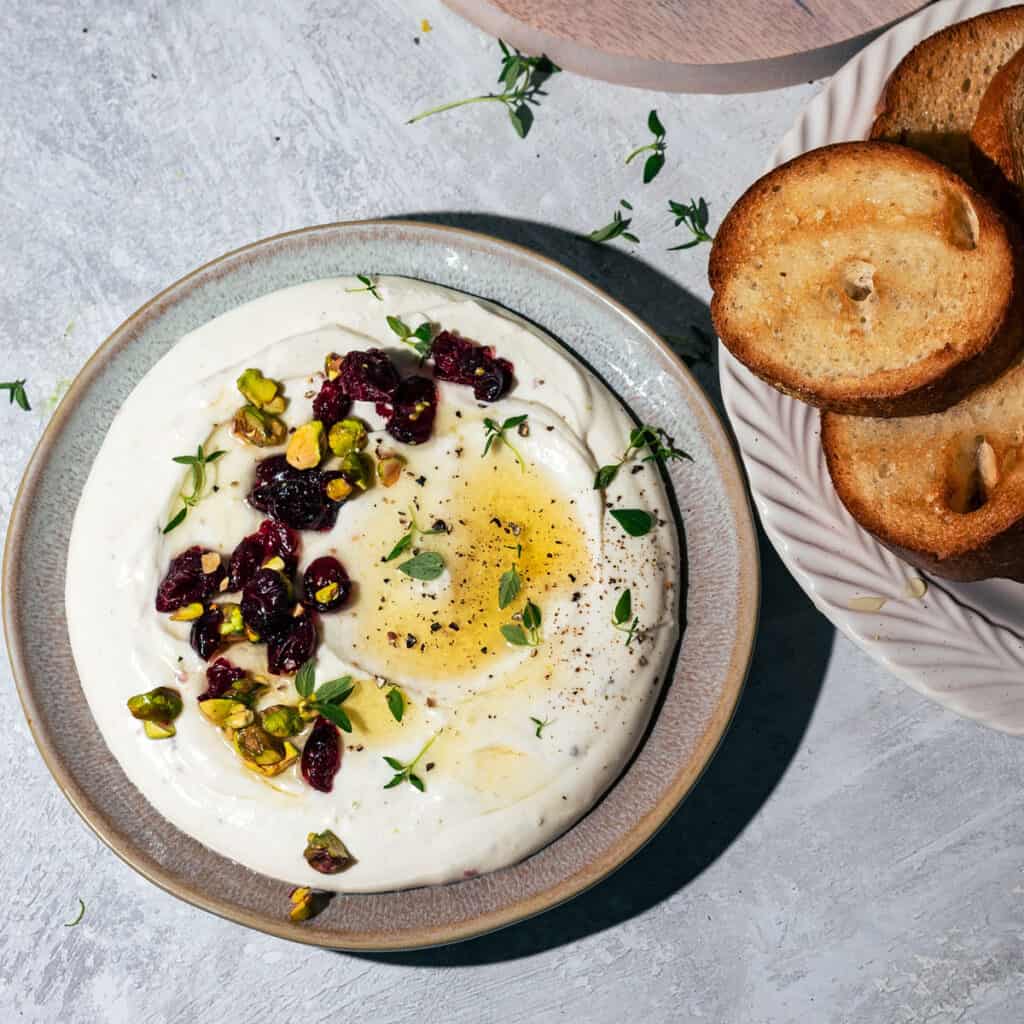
(994,135)
(945,492)
(932,96)
(867,279)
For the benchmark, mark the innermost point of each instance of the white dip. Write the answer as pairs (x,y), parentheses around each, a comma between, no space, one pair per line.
(494,791)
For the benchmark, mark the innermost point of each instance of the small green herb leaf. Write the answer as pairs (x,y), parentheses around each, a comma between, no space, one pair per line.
(694,216)
(402,545)
(617,227)
(634,521)
(623,609)
(606,476)
(176,520)
(396,703)
(508,587)
(652,165)
(531,616)
(427,565)
(16,392)
(368,286)
(404,772)
(197,464)
(305,678)
(539,725)
(515,635)
(416,782)
(654,124)
(335,690)
(395,763)
(334,713)
(494,431)
(81,914)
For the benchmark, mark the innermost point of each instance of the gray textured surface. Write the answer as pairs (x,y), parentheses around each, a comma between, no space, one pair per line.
(853,853)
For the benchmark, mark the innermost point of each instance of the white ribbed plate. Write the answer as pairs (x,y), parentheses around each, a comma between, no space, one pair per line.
(961,644)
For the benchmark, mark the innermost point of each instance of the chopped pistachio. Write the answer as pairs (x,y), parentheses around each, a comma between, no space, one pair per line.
(262,392)
(307,903)
(348,435)
(231,624)
(338,489)
(258,428)
(159,705)
(327,593)
(357,469)
(290,756)
(276,563)
(247,690)
(219,709)
(159,730)
(307,446)
(332,365)
(389,469)
(326,853)
(188,612)
(251,635)
(255,744)
(282,721)
(239,719)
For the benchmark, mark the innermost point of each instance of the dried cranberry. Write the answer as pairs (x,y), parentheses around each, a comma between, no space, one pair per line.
(464,362)
(292,646)
(186,582)
(270,540)
(321,756)
(413,406)
(295,497)
(321,573)
(331,403)
(368,376)
(267,602)
(220,677)
(205,636)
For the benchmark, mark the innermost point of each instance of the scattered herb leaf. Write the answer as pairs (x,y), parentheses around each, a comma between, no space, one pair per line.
(406,541)
(81,914)
(419,340)
(656,160)
(527,634)
(539,725)
(508,587)
(368,286)
(695,217)
(404,772)
(494,431)
(427,565)
(198,462)
(521,79)
(621,615)
(16,393)
(396,703)
(327,698)
(635,521)
(618,227)
(661,446)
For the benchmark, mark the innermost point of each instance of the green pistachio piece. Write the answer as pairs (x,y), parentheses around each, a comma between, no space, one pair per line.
(282,721)
(257,428)
(246,691)
(347,436)
(338,489)
(159,730)
(239,719)
(327,593)
(326,853)
(291,755)
(307,903)
(389,469)
(160,705)
(231,624)
(188,612)
(219,709)
(332,365)
(276,562)
(357,469)
(261,391)
(307,446)
(255,744)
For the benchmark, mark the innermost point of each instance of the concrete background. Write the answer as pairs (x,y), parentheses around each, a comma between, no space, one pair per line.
(854,852)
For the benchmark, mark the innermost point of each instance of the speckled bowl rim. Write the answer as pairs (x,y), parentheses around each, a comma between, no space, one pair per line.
(744,621)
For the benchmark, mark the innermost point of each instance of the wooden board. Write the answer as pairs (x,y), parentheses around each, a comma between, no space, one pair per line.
(689,45)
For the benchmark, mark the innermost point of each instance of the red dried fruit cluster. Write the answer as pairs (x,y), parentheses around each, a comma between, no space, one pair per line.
(325,584)
(368,376)
(412,410)
(270,540)
(296,497)
(321,756)
(462,361)
(186,582)
(331,403)
(220,677)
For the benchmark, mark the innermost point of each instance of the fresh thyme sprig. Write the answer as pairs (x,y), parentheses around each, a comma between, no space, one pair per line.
(404,772)
(81,914)
(407,540)
(621,615)
(198,462)
(656,160)
(396,703)
(16,391)
(527,634)
(368,286)
(661,447)
(618,227)
(495,431)
(327,698)
(520,79)
(695,217)
(419,340)
(539,725)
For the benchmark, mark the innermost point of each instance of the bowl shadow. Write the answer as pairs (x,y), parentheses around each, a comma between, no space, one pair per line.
(791,654)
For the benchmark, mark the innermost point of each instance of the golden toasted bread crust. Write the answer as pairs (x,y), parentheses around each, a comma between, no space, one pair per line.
(928,384)
(984,544)
(932,97)
(992,151)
